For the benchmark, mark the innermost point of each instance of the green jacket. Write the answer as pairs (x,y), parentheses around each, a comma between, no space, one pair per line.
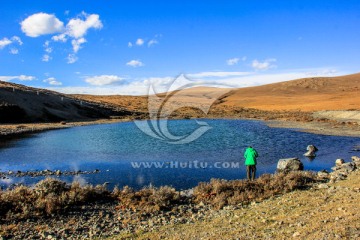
(250,156)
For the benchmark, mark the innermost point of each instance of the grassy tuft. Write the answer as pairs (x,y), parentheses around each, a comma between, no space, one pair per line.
(149,199)
(47,197)
(220,193)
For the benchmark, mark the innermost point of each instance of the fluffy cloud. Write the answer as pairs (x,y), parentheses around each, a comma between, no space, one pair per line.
(152,42)
(72,58)
(4,42)
(20,77)
(232,61)
(47,47)
(135,63)
(265,65)
(59,38)
(229,79)
(78,27)
(14,51)
(76,43)
(17,40)
(46,58)
(41,24)
(52,81)
(139,42)
(216,74)
(104,80)
(7,42)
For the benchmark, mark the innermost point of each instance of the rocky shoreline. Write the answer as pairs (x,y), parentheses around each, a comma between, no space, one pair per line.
(44,173)
(107,217)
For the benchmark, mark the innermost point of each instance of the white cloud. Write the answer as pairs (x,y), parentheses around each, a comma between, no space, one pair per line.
(46,58)
(41,24)
(216,74)
(139,42)
(14,51)
(4,42)
(78,27)
(72,58)
(104,80)
(52,81)
(20,77)
(7,42)
(130,44)
(17,39)
(232,61)
(265,65)
(152,42)
(47,47)
(135,63)
(76,43)
(223,79)
(59,38)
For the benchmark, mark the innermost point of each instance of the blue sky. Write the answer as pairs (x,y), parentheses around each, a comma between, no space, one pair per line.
(118,47)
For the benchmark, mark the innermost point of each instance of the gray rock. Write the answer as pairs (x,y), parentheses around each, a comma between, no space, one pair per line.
(339,162)
(323,174)
(348,166)
(289,164)
(356,160)
(322,186)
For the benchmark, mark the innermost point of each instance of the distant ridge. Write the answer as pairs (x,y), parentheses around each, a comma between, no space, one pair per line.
(307,94)
(19,103)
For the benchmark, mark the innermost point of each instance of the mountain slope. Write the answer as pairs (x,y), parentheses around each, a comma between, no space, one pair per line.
(308,94)
(19,103)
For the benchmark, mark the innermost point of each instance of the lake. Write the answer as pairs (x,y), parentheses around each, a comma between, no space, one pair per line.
(126,156)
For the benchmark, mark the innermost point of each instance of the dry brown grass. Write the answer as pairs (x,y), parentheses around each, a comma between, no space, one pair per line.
(49,196)
(331,213)
(220,193)
(148,199)
(52,196)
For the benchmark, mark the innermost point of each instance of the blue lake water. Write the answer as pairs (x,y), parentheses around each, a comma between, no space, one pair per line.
(116,150)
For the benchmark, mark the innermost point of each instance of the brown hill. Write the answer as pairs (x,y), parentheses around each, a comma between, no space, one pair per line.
(19,103)
(308,94)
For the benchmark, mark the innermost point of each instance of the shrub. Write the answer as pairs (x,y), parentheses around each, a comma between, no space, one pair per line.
(220,193)
(49,196)
(149,199)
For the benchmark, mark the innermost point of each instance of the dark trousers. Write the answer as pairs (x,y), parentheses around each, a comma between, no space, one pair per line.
(250,172)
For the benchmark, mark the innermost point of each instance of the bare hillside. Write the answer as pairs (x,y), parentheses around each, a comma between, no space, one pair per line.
(309,94)
(19,103)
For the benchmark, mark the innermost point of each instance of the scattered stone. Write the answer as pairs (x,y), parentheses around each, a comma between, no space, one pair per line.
(187,193)
(323,174)
(339,162)
(42,173)
(356,161)
(322,186)
(289,164)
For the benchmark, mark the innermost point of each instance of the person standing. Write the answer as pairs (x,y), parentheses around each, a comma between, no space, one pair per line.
(250,156)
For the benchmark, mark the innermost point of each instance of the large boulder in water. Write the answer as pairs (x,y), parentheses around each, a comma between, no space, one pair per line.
(289,164)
